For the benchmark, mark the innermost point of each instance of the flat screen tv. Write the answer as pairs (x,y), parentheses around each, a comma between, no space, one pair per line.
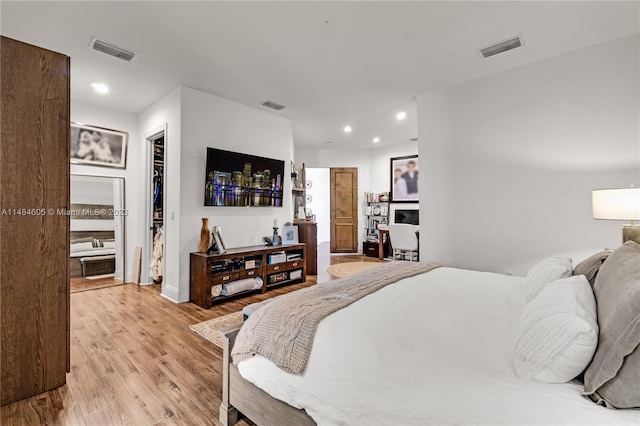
(411,217)
(235,179)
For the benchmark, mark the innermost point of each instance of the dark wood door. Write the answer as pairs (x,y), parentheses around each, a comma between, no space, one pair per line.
(308,234)
(344,210)
(34,229)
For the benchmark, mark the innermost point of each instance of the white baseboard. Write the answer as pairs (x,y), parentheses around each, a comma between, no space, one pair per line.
(170,293)
(174,294)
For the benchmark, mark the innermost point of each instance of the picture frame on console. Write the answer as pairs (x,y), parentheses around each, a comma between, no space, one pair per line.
(98,146)
(218,244)
(404,177)
(290,234)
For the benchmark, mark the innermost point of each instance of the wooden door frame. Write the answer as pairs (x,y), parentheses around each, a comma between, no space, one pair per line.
(354,171)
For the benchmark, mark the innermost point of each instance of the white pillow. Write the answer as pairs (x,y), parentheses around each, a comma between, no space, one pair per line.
(76,247)
(109,244)
(558,332)
(544,273)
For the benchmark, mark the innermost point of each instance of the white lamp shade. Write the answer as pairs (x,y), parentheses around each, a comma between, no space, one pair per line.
(616,204)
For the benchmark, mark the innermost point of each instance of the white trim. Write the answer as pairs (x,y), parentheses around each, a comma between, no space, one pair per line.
(170,293)
(174,294)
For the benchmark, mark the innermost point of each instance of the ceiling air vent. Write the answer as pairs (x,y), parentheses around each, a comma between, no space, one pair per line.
(273,105)
(112,49)
(502,46)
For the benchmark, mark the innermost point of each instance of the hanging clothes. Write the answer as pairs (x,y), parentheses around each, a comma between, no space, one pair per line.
(158,252)
(158,179)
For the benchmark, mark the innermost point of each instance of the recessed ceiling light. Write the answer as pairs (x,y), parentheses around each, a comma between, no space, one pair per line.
(347,129)
(376,140)
(401,115)
(101,88)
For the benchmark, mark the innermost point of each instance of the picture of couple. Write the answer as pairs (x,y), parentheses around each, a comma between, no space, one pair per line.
(404,179)
(97,146)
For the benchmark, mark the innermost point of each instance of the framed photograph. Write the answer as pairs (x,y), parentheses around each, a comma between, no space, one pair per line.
(96,146)
(404,179)
(289,234)
(216,232)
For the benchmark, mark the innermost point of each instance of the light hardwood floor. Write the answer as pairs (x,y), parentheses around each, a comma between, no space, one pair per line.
(85,284)
(134,360)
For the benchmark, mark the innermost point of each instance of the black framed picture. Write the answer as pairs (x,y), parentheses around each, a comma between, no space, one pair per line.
(96,146)
(404,179)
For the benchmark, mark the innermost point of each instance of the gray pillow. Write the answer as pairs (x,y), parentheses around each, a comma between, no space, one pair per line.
(613,376)
(82,240)
(591,265)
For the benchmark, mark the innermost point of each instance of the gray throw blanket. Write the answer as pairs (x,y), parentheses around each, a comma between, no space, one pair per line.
(283,330)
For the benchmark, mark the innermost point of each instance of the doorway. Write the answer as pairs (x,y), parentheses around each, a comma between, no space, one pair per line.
(153,262)
(97,239)
(344,209)
(318,201)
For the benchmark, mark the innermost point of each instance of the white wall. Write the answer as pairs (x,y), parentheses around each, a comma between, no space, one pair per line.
(358,158)
(510,160)
(98,191)
(320,200)
(117,120)
(165,113)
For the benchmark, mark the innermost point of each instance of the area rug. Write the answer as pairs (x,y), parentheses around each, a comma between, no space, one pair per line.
(347,269)
(211,329)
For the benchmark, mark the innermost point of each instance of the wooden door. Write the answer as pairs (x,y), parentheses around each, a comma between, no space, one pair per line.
(34,229)
(344,210)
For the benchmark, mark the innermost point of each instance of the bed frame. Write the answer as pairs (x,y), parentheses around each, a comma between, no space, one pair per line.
(241,397)
(75,268)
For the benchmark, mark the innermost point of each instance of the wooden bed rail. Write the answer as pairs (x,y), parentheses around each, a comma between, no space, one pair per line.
(228,414)
(242,396)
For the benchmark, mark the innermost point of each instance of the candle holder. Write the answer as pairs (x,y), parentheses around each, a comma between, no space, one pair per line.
(276,238)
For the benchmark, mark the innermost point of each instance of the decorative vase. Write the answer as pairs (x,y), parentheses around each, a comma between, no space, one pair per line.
(205,238)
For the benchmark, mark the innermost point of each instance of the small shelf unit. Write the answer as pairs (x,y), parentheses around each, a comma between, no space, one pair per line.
(377,213)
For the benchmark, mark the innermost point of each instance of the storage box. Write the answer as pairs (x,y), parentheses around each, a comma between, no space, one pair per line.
(277,258)
(277,278)
(295,275)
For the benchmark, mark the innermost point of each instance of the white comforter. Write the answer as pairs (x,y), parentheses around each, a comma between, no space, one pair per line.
(93,252)
(432,349)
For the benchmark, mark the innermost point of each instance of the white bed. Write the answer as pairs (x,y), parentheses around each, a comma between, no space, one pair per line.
(93,252)
(433,349)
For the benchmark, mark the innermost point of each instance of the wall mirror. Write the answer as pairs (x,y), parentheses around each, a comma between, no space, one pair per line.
(97,238)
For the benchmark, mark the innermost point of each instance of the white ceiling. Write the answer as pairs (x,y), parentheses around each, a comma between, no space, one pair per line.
(330,63)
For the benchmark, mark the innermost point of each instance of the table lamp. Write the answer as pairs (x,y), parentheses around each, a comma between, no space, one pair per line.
(619,204)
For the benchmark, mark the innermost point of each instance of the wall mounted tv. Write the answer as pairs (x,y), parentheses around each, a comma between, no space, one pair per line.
(242,180)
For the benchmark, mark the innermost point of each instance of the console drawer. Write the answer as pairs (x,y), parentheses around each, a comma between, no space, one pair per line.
(278,267)
(294,264)
(225,278)
(250,273)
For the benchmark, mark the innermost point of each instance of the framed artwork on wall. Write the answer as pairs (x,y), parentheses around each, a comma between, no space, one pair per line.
(404,179)
(96,146)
